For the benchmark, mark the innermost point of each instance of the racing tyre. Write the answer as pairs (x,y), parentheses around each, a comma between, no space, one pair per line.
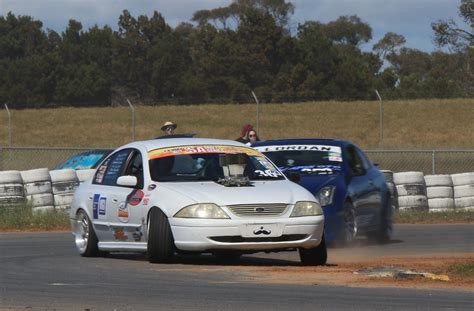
(439,192)
(160,238)
(408,178)
(10,177)
(463,179)
(438,181)
(84,175)
(84,236)
(314,256)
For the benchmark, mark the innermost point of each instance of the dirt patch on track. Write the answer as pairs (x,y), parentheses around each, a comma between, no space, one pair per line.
(342,273)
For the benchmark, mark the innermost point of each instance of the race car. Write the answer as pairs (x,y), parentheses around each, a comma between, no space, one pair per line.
(166,196)
(84,160)
(351,190)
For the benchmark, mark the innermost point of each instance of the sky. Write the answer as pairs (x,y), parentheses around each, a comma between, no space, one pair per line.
(410,18)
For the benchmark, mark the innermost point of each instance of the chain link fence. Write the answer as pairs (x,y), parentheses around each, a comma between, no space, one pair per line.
(426,161)
(26,158)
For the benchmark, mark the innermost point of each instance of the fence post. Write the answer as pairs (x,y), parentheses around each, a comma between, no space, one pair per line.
(258,112)
(433,159)
(380,117)
(9,126)
(133,118)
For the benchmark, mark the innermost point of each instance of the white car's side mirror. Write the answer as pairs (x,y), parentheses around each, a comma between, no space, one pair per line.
(127,181)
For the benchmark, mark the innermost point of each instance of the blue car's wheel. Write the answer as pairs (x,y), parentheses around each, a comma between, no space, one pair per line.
(349,230)
(385,231)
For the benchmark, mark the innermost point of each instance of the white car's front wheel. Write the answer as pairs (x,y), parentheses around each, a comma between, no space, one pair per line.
(160,238)
(314,256)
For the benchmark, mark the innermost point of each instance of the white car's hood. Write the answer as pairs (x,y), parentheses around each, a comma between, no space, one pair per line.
(283,191)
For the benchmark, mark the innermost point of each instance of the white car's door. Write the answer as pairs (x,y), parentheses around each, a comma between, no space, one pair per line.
(106,196)
(128,209)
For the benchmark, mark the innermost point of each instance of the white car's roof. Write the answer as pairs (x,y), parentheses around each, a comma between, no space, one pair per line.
(174,142)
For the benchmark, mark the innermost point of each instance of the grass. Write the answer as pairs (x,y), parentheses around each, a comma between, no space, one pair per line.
(420,217)
(22,218)
(463,270)
(412,124)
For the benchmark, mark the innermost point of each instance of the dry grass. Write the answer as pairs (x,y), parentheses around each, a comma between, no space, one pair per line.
(413,124)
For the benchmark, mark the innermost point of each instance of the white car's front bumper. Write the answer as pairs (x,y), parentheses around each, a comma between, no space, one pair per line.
(247,235)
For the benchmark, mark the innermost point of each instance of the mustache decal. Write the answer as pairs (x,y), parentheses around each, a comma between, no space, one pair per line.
(262,231)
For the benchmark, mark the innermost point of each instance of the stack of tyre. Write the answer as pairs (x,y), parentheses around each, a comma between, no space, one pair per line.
(388,175)
(37,187)
(83,175)
(463,190)
(11,189)
(439,190)
(411,191)
(64,182)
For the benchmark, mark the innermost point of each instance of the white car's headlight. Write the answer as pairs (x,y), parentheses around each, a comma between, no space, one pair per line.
(306,208)
(325,195)
(202,210)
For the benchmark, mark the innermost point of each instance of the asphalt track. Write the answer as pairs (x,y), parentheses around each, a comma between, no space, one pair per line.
(42,271)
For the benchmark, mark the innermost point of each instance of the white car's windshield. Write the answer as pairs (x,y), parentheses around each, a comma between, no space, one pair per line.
(201,163)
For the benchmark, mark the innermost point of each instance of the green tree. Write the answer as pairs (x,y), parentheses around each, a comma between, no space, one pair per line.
(447,32)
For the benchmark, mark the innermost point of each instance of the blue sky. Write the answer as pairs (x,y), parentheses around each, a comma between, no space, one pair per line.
(411,18)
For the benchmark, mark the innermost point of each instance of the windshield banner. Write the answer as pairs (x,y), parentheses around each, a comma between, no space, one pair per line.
(201,149)
(320,148)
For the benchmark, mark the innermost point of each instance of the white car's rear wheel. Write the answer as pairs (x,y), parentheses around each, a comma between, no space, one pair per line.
(84,235)
(314,256)
(160,238)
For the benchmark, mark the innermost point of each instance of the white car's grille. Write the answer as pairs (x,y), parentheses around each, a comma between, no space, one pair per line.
(258,209)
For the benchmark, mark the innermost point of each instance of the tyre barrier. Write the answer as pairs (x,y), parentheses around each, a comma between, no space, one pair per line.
(64,182)
(463,191)
(38,190)
(388,175)
(84,175)
(11,189)
(439,190)
(411,190)
(438,181)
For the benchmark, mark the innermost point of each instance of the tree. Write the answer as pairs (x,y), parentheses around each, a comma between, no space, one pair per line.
(349,30)
(447,32)
(389,44)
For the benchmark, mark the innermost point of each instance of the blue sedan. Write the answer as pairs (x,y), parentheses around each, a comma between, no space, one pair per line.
(351,190)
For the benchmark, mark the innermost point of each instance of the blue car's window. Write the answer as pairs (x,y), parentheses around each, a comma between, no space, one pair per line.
(306,159)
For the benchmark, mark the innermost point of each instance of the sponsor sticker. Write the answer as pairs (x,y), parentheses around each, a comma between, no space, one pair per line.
(102,205)
(200,149)
(95,206)
(146,200)
(123,212)
(332,149)
(120,235)
(268,173)
(135,197)
(335,159)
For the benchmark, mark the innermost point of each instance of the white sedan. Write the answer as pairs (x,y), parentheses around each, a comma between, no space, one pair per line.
(172,195)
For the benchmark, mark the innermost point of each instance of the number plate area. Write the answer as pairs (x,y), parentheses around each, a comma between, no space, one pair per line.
(261,230)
